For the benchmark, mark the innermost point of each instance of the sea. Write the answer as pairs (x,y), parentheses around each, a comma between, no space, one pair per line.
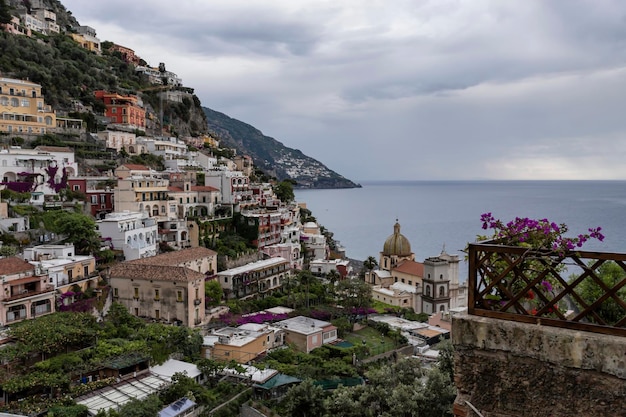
(445,215)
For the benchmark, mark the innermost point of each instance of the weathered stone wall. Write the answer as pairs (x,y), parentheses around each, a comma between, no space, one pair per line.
(507,369)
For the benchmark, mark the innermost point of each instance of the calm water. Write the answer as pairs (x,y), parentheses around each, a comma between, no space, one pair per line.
(437,213)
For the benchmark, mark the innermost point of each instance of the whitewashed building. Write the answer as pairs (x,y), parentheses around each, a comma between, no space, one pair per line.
(133,232)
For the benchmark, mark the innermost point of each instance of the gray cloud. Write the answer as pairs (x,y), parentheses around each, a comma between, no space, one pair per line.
(401,90)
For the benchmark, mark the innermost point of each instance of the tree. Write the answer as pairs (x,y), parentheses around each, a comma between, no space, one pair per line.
(8,250)
(446,358)
(284,191)
(148,407)
(213,292)
(370,263)
(68,411)
(120,323)
(304,400)
(5,12)
(333,276)
(183,386)
(610,274)
(354,293)
(80,230)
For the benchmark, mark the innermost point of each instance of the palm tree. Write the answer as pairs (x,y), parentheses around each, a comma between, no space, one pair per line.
(333,276)
(369,264)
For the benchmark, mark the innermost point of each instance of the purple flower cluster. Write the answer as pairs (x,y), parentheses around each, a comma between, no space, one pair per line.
(362,311)
(320,314)
(537,233)
(261,318)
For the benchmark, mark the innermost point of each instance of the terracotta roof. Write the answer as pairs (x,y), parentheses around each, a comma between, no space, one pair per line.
(203,188)
(135,167)
(174,189)
(14,265)
(410,267)
(54,149)
(176,258)
(130,270)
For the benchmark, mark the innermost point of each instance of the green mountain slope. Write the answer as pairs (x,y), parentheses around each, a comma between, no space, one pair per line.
(272,156)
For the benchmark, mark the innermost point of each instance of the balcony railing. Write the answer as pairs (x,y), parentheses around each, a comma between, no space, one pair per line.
(575,290)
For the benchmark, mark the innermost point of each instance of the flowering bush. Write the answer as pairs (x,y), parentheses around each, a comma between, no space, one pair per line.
(537,234)
(528,282)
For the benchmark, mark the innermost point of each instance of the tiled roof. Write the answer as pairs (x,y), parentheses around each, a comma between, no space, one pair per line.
(176,257)
(130,270)
(205,188)
(174,189)
(14,265)
(410,267)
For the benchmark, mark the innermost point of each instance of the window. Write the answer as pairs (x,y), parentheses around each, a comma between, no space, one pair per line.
(114,110)
(179,295)
(15,102)
(115,292)
(136,311)
(25,102)
(70,275)
(442,291)
(441,276)
(103,198)
(157,294)
(76,187)
(157,314)
(197,294)
(94,199)
(225,280)
(428,290)
(136,292)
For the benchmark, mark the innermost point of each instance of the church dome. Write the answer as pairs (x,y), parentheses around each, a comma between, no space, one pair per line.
(397,244)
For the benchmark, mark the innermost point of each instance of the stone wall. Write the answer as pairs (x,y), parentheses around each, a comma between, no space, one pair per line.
(506,369)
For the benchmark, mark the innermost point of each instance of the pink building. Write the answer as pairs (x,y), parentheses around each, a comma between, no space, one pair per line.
(25,293)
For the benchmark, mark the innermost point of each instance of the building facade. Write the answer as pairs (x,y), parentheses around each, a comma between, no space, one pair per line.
(306,333)
(123,110)
(65,269)
(173,294)
(23,109)
(25,292)
(133,232)
(255,279)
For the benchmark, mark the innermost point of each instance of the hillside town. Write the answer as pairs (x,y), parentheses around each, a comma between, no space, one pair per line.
(150,270)
(154,253)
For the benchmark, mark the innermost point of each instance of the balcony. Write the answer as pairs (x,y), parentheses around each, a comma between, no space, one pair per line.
(541,319)
(543,287)
(197,302)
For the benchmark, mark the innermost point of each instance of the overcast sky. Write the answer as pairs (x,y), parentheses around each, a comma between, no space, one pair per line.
(402,89)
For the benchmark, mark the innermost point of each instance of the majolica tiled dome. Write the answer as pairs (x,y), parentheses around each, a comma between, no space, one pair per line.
(397,244)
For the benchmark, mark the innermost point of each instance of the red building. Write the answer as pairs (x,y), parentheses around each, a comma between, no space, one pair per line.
(124,110)
(128,55)
(99,198)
